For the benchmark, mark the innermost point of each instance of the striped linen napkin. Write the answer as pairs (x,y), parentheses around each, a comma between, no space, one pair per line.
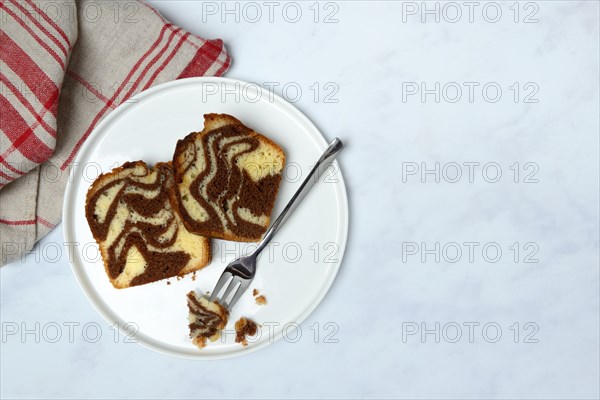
(63,67)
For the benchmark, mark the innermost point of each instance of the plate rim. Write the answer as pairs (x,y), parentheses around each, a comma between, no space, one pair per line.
(69,197)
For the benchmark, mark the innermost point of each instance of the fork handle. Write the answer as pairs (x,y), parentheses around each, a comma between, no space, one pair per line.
(332,151)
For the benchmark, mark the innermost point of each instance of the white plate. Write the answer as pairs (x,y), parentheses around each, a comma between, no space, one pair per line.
(294,274)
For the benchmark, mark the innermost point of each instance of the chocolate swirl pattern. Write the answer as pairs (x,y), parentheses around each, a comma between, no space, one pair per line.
(133,216)
(227,177)
(207,319)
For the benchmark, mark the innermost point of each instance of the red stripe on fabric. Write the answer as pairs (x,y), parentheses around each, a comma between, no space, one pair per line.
(199,63)
(44,222)
(88,86)
(115,96)
(167,61)
(213,53)
(42,115)
(195,45)
(13,169)
(154,60)
(138,64)
(21,135)
(39,117)
(18,222)
(225,65)
(49,20)
(18,61)
(51,105)
(41,27)
(36,37)
(10,178)
(173,27)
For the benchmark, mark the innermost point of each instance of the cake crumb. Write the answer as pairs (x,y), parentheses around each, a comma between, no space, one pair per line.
(194,276)
(260,300)
(206,319)
(168,282)
(244,327)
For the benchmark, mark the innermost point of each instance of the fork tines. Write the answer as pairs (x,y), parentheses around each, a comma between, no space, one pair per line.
(232,284)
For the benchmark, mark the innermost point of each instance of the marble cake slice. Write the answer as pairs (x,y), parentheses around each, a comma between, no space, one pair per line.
(227,179)
(132,213)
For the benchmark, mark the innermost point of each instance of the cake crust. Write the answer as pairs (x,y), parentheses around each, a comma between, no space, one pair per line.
(227,178)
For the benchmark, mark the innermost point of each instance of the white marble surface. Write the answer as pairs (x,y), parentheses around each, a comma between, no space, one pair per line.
(374,58)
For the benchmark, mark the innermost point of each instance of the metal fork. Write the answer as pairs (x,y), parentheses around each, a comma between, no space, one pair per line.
(239,273)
